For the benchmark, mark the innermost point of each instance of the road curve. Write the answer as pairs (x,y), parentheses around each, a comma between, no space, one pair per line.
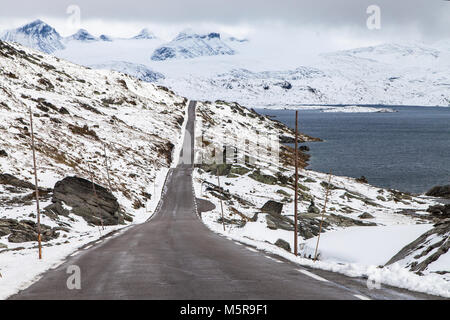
(175,256)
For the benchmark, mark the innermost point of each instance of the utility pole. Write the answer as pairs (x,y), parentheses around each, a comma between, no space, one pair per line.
(296,187)
(221,205)
(36,185)
(323,213)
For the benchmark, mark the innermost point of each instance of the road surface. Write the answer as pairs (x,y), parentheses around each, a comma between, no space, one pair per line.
(175,256)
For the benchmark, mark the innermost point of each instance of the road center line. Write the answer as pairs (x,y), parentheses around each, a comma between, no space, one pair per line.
(312,275)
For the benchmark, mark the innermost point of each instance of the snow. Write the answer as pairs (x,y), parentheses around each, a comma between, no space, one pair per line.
(356,251)
(133,119)
(366,245)
(188,45)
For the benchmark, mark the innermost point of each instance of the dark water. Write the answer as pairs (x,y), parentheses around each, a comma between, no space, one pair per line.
(408,150)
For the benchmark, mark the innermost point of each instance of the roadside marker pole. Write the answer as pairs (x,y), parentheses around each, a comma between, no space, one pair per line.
(36,186)
(109,179)
(296,187)
(323,213)
(221,205)
(95,192)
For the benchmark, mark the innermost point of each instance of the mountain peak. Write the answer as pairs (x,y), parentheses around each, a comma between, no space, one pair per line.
(37,35)
(82,35)
(188,44)
(145,34)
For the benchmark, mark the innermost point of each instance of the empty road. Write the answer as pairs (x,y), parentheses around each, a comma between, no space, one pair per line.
(175,256)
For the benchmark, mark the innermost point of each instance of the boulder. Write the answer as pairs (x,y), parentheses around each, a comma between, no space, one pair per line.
(272,207)
(283,245)
(440,192)
(366,215)
(25,231)
(8,179)
(3,153)
(77,193)
(312,208)
(440,211)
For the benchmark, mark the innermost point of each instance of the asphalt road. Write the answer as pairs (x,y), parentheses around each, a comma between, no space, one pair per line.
(175,256)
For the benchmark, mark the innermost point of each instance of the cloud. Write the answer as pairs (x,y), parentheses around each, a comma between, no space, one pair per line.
(422,19)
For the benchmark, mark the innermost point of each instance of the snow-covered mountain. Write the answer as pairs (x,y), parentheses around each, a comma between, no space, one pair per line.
(37,35)
(408,74)
(191,45)
(81,35)
(136,70)
(145,34)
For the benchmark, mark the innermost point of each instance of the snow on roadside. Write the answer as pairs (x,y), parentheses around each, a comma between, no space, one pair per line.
(356,251)
(139,123)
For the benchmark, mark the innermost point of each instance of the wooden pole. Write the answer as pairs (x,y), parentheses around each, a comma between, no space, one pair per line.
(36,186)
(109,179)
(323,213)
(95,192)
(296,187)
(221,205)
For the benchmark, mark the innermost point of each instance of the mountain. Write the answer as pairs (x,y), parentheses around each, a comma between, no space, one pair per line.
(82,35)
(191,45)
(106,38)
(37,35)
(145,34)
(406,74)
(138,71)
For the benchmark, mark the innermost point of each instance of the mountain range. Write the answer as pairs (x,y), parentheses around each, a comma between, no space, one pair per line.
(393,73)
(190,45)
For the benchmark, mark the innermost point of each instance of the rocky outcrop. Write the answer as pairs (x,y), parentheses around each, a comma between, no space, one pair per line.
(26,231)
(272,207)
(439,211)
(440,192)
(78,194)
(283,245)
(429,247)
(8,179)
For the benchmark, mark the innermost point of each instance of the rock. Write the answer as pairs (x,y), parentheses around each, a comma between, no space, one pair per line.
(63,110)
(275,222)
(78,193)
(283,245)
(3,246)
(303,148)
(431,245)
(440,211)
(312,208)
(366,215)
(362,179)
(8,179)
(440,192)
(56,209)
(272,207)
(3,153)
(25,231)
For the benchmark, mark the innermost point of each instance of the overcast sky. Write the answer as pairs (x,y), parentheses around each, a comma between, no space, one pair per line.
(426,20)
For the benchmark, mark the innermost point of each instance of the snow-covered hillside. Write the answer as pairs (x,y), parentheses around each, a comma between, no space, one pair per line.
(363,226)
(206,67)
(138,71)
(37,35)
(79,115)
(189,45)
(410,74)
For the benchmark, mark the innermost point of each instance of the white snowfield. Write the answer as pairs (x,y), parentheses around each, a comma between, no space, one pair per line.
(266,73)
(78,112)
(357,251)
